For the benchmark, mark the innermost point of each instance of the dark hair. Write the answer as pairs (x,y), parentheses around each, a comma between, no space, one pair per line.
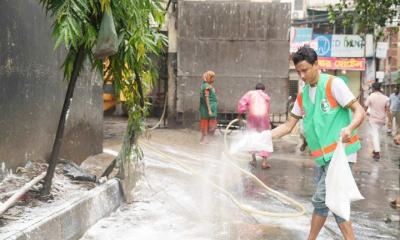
(305,54)
(260,86)
(376,86)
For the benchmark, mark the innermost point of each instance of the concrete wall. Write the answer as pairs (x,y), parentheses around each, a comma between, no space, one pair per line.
(172,65)
(244,42)
(32,91)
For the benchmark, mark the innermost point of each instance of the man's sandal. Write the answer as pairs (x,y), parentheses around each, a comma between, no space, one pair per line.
(394,204)
(265,165)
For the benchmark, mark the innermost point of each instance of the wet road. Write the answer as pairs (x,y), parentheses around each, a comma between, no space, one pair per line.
(172,203)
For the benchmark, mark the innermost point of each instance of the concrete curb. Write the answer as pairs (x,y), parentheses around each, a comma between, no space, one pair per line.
(73,218)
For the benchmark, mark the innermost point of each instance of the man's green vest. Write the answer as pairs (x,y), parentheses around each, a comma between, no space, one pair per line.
(324,120)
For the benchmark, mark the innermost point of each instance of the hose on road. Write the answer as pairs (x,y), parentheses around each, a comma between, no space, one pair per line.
(281,196)
(299,207)
(162,115)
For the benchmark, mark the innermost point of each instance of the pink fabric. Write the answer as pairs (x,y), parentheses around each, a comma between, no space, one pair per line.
(256,104)
(376,103)
(263,154)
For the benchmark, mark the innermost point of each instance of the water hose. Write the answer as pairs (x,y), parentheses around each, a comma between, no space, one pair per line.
(298,206)
(162,115)
(227,129)
(281,196)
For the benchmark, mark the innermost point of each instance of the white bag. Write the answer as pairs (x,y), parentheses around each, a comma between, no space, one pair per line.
(252,141)
(341,189)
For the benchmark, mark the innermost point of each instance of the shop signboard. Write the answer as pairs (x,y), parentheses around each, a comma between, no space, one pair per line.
(380,75)
(369,46)
(347,46)
(324,44)
(328,45)
(300,37)
(356,64)
(382,49)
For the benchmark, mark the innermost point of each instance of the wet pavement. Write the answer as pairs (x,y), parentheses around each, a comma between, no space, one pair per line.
(173,203)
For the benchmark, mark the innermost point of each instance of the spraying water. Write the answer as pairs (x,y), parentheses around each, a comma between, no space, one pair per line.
(251,141)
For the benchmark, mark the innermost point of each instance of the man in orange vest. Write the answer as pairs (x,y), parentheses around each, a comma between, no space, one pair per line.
(325,104)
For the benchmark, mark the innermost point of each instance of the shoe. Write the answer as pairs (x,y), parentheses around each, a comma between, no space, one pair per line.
(394,204)
(265,164)
(376,155)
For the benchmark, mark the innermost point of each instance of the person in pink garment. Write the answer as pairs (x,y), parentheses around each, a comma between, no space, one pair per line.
(256,104)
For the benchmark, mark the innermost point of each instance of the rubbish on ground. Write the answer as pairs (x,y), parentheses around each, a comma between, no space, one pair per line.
(392,218)
(14,198)
(74,172)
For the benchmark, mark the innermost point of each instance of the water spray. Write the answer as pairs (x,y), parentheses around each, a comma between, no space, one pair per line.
(285,199)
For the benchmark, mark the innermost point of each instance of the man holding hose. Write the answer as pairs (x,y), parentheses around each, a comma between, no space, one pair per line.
(329,111)
(256,104)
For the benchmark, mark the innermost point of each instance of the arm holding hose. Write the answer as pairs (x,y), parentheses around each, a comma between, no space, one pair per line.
(285,128)
(243,105)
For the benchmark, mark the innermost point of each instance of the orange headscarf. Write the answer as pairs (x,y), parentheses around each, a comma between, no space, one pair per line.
(208,75)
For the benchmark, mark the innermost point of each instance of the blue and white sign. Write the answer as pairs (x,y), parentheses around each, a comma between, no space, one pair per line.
(324,44)
(299,37)
(347,46)
(302,34)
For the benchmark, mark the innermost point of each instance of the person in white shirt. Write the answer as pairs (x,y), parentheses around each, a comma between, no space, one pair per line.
(377,105)
(394,101)
(343,96)
(319,116)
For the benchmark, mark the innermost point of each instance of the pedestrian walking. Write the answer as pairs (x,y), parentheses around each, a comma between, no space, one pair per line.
(208,106)
(256,104)
(377,105)
(325,104)
(394,102)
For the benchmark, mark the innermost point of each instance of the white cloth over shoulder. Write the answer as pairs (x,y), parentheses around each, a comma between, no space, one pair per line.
(341,188)
(252,141)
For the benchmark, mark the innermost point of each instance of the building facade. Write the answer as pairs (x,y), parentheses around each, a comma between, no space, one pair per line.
(389,63)
(341,52)
(32,92)
(244,42)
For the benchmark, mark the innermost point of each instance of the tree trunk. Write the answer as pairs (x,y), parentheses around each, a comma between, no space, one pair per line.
(61,125)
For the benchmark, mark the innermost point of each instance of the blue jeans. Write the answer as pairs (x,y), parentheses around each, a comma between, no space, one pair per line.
(318,199)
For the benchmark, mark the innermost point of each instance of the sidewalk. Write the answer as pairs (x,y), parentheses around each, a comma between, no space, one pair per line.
(76,205)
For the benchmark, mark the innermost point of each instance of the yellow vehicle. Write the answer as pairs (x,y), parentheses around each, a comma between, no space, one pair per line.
(110,101)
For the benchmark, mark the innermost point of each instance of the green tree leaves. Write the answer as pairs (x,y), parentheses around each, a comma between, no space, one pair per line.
(77,22)
(369,15)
